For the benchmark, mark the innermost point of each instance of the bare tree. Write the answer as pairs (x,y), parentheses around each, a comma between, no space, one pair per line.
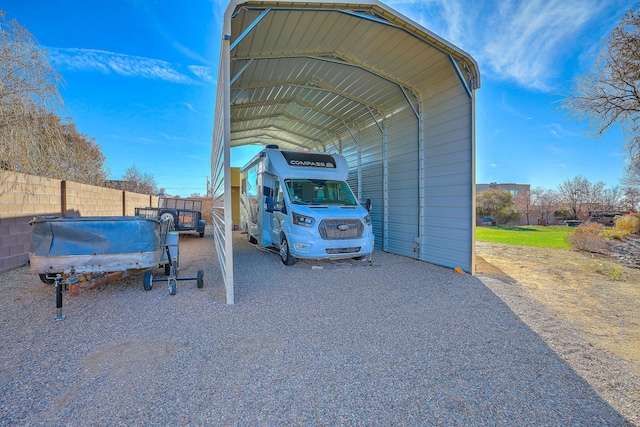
(612,198)
(610,94)
(46,146)
(546,201)
(28,79)
(137,182)
(631,199)
(33,138)
(594,197)
(525,204)
(571,193)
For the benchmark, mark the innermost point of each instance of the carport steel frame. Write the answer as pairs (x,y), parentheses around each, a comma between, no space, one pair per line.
(461,63)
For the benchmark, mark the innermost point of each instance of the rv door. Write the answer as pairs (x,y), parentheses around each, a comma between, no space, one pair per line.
(277,214)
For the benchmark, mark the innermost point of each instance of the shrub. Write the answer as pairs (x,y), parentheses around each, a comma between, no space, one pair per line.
(589,238)
(629,224)
(616,233)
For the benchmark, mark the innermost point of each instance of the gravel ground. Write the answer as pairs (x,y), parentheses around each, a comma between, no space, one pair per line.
(399,342)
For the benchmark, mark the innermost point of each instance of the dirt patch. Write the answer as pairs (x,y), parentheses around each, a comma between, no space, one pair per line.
(594,292)
(586,307)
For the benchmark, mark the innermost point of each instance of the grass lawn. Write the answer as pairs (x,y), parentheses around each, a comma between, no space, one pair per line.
(526,235)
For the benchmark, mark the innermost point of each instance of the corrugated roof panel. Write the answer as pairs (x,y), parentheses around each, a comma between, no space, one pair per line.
(330,74)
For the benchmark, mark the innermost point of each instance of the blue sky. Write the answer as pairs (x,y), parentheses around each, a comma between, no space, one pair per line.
(140,77)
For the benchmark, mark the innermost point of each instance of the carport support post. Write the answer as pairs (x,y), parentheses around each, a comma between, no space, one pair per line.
(385,193)
(228,233)
(421,200)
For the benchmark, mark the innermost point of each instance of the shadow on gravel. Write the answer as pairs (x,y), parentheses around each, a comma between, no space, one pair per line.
(398,342)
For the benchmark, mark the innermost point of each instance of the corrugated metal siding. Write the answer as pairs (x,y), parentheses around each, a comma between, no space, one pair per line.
(448,180)
(403,189)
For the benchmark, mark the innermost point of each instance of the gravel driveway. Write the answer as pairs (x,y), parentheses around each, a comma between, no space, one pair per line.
(400,342)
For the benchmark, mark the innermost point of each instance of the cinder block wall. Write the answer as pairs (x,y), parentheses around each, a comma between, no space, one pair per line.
(135,200)
(23,197)
(88,200)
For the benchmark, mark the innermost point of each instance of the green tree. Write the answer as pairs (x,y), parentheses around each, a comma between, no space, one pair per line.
(497,204)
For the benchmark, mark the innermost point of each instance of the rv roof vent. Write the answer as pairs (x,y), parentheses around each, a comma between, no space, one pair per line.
(272,146)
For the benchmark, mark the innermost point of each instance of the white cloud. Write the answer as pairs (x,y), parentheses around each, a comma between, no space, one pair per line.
(204,73)
(525,41)
(123,65)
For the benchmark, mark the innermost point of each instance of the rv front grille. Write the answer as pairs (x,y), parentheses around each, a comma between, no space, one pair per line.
(352,250)
(341,229)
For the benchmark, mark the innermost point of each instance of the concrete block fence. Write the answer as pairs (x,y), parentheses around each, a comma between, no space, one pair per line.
(23,197)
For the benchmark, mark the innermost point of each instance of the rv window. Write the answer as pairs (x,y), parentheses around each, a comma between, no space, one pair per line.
(319,192)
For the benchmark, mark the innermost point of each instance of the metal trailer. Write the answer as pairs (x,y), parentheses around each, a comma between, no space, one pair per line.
(86,252)
(185,214)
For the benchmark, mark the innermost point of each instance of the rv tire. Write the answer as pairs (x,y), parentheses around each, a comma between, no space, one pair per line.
(285,253)
(252,239)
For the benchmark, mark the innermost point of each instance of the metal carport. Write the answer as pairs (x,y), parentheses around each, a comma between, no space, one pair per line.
(359,79)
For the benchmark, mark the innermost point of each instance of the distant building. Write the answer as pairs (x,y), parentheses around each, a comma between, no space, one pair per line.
(514,189)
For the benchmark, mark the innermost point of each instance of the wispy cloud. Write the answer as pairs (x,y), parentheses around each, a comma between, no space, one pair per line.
(125,65)
(519,40)
(559,131)
(205,73)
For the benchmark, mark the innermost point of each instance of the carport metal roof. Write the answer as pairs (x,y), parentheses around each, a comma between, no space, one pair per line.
(307,75)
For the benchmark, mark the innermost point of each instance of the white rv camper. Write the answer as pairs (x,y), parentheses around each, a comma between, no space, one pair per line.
(300,203)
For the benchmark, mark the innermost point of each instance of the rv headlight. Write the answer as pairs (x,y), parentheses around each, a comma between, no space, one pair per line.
(305,221)
(367,219)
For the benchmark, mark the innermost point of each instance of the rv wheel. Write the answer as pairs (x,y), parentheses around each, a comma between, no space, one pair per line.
(285,253)
(252,239)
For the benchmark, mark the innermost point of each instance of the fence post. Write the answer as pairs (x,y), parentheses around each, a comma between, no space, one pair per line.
(124,203)
(63,198)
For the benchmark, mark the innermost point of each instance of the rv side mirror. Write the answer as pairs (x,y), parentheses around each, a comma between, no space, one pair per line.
(367,205)
(269,206)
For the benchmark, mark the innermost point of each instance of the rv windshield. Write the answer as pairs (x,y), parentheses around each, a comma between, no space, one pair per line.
(319,192)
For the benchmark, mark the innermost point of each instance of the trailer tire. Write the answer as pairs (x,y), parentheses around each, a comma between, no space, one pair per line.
(169,214)
(173,286)
(200,279)
(285,253)
(147,281)
(201,234)
(47,280)
(252,239)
